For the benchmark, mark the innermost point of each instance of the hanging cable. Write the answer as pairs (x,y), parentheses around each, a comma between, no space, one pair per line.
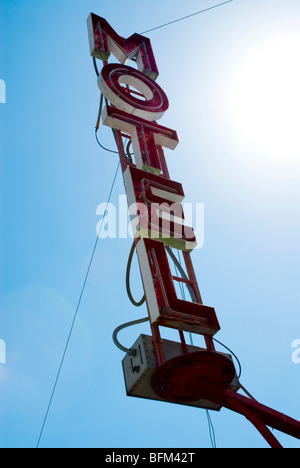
(132,300)
(75,314)
(247,393)
(231,352)
(211,430)
(95,66)
(98,125)
(129,155)
(185,17)
(103,147)
(121,327)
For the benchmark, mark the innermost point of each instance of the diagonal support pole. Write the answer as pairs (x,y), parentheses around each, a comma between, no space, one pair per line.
(259,415)
(256,421)
(258,412)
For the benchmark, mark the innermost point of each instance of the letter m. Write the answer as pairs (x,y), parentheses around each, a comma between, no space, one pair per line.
(104,41)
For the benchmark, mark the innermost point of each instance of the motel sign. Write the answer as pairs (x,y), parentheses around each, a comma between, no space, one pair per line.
(153,367)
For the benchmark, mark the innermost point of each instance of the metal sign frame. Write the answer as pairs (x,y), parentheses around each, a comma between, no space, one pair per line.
(134,104)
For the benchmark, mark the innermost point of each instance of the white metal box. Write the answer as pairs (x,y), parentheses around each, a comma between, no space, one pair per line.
(138,370)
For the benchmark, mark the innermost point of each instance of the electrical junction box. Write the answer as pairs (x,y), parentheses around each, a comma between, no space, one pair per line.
(140,368)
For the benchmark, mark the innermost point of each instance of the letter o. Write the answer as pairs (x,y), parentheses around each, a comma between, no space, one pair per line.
(155,101)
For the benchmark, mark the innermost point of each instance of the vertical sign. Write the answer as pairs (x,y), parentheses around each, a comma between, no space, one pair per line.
(135,102)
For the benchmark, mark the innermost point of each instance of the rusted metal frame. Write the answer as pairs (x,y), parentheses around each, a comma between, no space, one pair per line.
(157,341)
(192,277)
(157,345)
(183,342)
(182,280)
(181,335)
(156,337)
(163,163)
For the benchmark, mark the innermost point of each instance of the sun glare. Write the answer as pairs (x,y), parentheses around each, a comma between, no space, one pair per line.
(265,98)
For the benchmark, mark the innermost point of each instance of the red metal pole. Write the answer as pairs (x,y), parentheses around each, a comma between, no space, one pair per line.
(256,421)
(192,276)
(183,342)
(268,416)
(158,345)
(260,415)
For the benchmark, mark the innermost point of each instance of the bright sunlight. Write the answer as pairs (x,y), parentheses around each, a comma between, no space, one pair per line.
(265,98)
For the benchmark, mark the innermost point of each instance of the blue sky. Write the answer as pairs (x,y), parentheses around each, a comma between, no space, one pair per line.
(231,75)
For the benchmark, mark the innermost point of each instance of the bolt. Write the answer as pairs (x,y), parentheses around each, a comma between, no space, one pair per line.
(164,387)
